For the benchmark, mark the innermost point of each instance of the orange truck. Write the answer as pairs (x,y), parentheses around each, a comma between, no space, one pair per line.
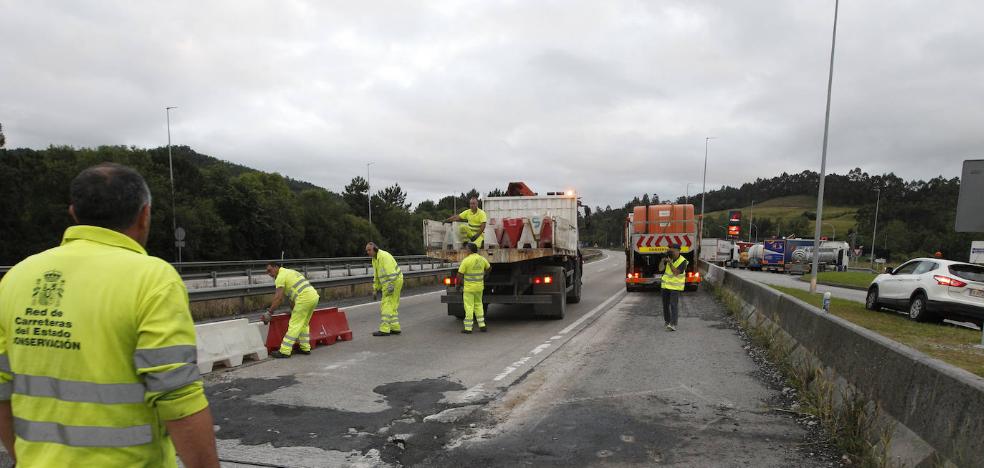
(649,231)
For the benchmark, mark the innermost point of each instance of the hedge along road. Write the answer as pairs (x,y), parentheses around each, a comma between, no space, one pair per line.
(365,402)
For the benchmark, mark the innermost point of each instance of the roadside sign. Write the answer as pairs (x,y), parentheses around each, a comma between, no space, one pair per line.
(857,252)
(977,252)
(179,243)
(179,234)
(970,204)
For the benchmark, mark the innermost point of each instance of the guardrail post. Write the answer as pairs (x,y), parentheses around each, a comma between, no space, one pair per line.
(215,279)
(348,267)
(304,270)
(327,271)
(249,276)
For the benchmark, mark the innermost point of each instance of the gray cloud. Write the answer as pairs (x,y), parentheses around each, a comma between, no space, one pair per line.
(612,98)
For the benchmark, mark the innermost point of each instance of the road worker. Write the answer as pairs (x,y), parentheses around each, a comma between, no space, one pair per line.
(476,219)
(471,273)
(672,283)
(97,343)
(303,299)
(388,279)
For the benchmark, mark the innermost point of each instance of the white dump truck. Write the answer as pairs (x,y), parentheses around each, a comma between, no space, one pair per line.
(531,240)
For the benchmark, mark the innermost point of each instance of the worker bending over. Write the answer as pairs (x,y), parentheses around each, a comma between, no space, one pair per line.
(471,273)
(303,299)
(388,279)
(97,344)
(476,219)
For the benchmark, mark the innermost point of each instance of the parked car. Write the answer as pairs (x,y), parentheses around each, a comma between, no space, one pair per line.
(931,290)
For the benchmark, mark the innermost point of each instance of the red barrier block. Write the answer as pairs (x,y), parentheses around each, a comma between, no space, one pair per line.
(327,326)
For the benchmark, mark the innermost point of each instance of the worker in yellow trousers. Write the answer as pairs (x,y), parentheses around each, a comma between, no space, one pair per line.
(303,298)
(471,273)
(475,219)
(388,279)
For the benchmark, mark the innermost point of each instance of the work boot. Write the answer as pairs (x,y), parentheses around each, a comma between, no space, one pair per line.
(279,355)
(467,332)
(672,327)
(395,332)
(306,353)
(483,329)
(669,327)
(379,333)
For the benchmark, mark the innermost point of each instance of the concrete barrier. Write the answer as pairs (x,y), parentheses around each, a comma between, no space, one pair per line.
(941,405)
(227,343)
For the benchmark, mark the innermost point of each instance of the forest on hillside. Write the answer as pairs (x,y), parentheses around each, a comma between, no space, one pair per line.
(915,218)
(230,212)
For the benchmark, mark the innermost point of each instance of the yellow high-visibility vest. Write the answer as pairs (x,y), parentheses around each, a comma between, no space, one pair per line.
(472,270)
(97,351)
(671,281)
(297,288)
(474,221)
(385,270)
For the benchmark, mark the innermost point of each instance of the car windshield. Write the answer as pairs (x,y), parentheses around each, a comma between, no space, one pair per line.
(968,272)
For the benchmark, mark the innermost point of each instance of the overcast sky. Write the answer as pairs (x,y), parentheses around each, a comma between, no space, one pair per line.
(613,98)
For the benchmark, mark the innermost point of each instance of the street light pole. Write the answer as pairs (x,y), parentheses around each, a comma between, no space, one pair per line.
(874,230)
(823,158)
(369,191)
(703,194)
(170,167)
(751,216)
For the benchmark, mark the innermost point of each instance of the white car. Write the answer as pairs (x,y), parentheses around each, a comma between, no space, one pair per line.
(931,290)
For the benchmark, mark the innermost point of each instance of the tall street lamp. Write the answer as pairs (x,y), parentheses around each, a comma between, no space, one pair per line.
(751,216)
(170,166)
(703,195)
(874,229)
(823,158)
(369,191)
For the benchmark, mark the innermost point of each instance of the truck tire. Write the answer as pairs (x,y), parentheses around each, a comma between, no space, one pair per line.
(575,296)
(556,309)
(457,310)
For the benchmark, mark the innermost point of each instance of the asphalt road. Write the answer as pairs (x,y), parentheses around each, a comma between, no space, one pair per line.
(343,404)
(791,281)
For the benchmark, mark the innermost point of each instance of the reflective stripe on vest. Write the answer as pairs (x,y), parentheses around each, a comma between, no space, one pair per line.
(474,276)
(76,391)
(671,281)
(172,379)
(82,436)
(178,354)
(386,279)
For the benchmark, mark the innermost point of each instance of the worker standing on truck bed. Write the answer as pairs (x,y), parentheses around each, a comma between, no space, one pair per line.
(386,277)
(672,283)
(303,298)
(472,271)
(476,219)
(97,343)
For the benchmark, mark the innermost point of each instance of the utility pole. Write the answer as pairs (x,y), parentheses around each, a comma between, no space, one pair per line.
(751,216)
(170,166)
(823,158)
(369,191)
(703,195)
(874,229)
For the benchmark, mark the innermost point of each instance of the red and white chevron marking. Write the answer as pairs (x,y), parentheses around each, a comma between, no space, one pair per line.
(659,240)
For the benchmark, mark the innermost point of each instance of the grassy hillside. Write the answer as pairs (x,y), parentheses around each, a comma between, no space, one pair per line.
(787,215)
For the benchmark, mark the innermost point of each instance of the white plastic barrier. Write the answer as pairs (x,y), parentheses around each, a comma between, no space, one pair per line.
(227,343)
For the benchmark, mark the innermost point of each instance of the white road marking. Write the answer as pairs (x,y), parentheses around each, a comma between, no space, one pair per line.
(588,315)
(540,349)
(512,368)
(474,392)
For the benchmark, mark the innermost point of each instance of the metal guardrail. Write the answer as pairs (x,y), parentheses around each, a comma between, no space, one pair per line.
(234,292)
(248,268)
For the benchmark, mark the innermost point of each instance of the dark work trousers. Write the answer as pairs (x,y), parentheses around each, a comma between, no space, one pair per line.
(671,306)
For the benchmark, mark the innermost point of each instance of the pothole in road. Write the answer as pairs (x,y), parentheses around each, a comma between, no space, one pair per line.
(399,432)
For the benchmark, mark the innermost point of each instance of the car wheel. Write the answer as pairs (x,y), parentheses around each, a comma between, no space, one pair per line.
(871,302)
(917,309)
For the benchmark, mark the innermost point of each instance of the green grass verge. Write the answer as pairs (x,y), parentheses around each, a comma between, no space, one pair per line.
(953,345)
(853,279)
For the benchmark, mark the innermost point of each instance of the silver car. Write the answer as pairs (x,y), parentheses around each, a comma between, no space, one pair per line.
(931,290)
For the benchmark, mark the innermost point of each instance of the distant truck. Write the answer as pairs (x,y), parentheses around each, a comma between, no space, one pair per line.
(742,254)
(833,256)
(531,240)
(773,255)
(717,251)
(649,231)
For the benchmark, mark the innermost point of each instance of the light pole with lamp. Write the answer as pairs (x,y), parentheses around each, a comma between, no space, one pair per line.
(751,216)
(823,158)
(178,236)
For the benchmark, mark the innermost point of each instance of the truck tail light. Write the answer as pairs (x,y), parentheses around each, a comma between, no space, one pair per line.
(632,275)
(547,279)
(543,279)
(947,281)
(447,281)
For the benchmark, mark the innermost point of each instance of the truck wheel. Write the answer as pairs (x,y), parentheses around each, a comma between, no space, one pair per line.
(457,310)
(575,296)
